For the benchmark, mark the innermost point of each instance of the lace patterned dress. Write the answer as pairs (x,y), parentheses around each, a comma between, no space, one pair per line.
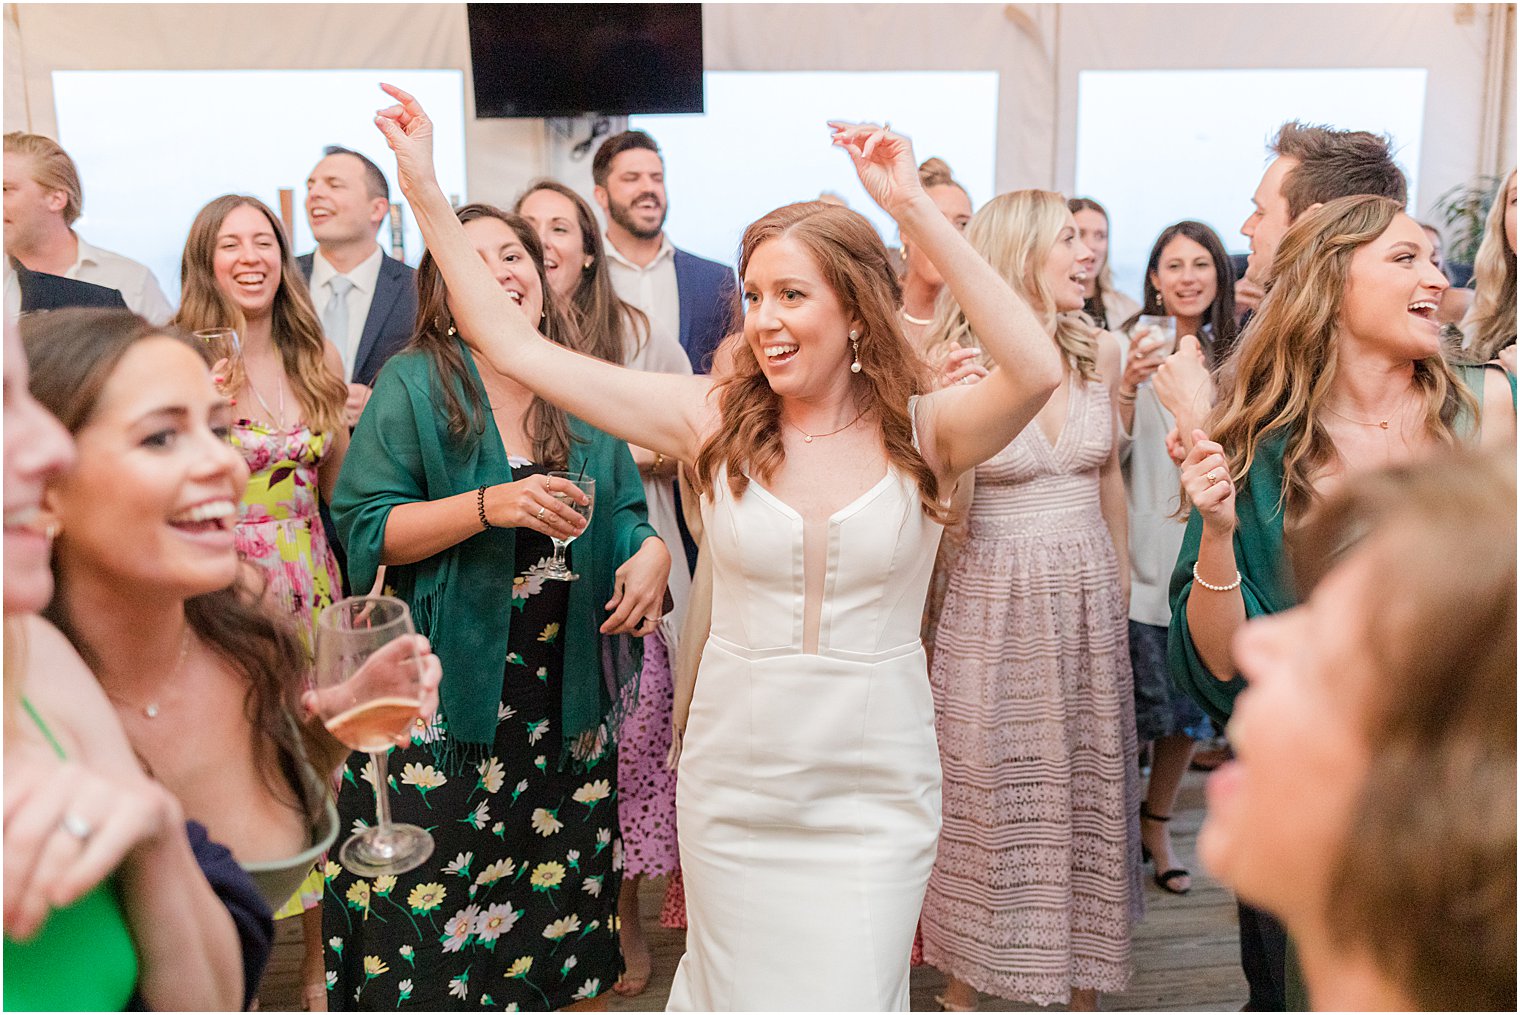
(1036,884)
(279,527)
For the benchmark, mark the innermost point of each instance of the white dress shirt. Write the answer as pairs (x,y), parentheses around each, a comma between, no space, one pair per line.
(136,283)
(651,288)
(364,277)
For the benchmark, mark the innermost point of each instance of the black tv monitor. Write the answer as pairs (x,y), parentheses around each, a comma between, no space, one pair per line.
(534,60)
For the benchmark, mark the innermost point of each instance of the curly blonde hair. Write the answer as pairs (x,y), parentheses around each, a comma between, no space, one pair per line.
(1492,319)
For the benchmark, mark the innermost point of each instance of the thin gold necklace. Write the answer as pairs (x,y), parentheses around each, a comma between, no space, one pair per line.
(808,438)
(151,709)
(1381,424)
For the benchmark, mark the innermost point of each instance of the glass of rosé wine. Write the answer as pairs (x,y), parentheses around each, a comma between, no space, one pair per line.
(368,688)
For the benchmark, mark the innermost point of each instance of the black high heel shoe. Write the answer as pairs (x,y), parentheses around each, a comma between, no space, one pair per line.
(1165,880)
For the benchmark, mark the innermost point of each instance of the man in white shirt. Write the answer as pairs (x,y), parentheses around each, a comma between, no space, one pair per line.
(43,199)
(367,302)
(687,298)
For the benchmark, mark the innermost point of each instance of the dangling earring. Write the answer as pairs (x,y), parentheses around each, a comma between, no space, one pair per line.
(1160,303)
(452,331)
(855,348)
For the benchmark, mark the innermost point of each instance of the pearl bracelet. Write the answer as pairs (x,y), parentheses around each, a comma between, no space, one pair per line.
(1216,588)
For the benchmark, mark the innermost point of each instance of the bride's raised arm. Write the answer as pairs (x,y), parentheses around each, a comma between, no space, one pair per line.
(667,413)
(960,426)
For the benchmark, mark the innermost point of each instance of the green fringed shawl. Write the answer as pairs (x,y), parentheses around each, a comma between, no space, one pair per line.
(1266,583)
(461,599)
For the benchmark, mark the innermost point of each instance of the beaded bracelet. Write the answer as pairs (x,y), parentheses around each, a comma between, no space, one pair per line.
(480,508)
(1216,588)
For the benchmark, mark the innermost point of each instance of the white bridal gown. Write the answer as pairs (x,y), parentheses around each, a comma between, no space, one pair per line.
(808,800)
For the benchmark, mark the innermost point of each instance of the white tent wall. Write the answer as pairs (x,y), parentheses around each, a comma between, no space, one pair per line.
(1469,112)
(1038,49)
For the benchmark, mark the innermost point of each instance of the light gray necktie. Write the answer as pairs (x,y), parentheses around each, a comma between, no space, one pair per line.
(335,316)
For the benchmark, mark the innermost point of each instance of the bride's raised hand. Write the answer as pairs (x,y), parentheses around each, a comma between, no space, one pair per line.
(409,133)
(884,161)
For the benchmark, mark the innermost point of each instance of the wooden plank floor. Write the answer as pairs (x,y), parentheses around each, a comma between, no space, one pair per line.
(1186,953)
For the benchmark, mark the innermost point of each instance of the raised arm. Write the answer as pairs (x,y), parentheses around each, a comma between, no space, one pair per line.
(960,426)
(662,412)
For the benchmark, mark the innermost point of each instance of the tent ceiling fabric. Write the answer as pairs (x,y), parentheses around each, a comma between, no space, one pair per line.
(1038,49)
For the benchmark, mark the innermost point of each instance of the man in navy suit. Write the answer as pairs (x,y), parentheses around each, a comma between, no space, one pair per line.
(366,300)
(687,297)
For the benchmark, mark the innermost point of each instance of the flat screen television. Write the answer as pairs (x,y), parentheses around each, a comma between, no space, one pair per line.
(534,60)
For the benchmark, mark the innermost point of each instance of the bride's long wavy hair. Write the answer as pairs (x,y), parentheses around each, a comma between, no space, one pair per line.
(854,262)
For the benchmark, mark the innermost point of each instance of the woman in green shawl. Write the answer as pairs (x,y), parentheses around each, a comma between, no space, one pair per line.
(1340,372)
(446,484)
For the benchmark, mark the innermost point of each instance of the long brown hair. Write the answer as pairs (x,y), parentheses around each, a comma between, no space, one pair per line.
(1015,232)
(1493,311)
(854,263)
(610,328)
(464,401)
(1427,882)
(1285,363)
(296,332)
(72,355)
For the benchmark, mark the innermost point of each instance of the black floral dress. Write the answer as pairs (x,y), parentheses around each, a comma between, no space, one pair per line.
(516,908)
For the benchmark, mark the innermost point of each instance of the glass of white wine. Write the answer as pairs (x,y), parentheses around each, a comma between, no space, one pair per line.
(369,678)
(556,570)
(222,342)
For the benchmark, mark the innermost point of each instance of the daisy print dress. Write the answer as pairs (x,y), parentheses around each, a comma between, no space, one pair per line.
(515,909)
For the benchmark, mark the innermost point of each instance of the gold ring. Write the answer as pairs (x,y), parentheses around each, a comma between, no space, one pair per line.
(541,512)
(1213,476)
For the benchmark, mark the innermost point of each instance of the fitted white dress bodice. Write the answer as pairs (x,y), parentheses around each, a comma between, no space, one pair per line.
(880,552)
(808,798)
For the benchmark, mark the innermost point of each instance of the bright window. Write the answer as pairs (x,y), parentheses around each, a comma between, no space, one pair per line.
(764,142)
(1154,147)
(153,147)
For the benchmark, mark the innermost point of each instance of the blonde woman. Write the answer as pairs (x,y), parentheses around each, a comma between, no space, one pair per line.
(1036,885)
(1490,324)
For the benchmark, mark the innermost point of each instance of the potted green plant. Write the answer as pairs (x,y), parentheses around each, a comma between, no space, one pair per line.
(1463,210)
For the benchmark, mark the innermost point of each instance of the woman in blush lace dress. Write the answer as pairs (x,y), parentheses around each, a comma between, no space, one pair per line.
(1036,884)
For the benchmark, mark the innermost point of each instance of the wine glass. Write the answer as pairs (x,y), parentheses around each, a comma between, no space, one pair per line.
(223,343)
(1163,328)
(368,688)
(556,569)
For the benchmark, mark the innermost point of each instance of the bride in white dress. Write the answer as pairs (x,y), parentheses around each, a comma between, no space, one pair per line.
(808,795)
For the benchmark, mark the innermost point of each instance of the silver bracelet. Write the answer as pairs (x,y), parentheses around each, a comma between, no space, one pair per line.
(1216,588)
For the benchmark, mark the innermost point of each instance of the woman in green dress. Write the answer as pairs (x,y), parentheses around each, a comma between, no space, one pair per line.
(446,485)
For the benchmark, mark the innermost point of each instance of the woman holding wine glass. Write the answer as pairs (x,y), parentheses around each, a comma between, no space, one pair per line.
(466,487)
(205,679)
(809,777)
(286,380)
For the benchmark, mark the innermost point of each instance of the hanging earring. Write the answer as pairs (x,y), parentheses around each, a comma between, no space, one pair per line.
(855,348)
(452,331)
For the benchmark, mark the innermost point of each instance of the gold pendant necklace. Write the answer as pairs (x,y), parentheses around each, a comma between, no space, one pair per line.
(807,438)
